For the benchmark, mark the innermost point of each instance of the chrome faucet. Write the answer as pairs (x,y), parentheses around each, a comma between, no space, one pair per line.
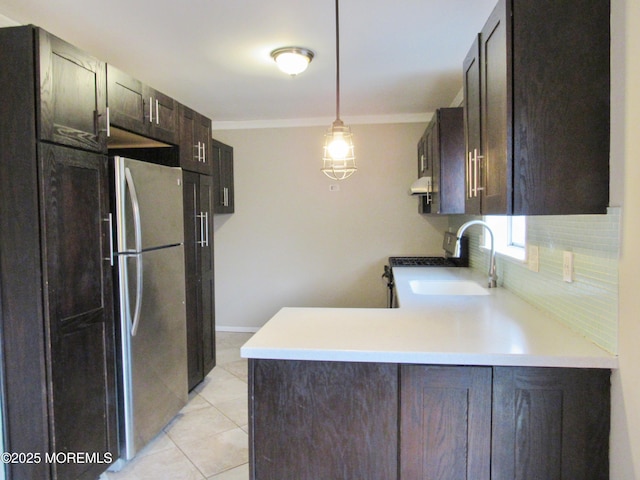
(493,277)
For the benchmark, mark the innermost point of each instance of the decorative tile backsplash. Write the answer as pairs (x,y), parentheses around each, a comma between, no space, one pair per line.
(588,305)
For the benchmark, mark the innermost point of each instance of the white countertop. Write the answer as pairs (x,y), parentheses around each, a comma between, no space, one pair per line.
(494,329)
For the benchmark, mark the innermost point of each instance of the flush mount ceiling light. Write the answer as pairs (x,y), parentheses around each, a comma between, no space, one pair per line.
(339,161)
(292,60)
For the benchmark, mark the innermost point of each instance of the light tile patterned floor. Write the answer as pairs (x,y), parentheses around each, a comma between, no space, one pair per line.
(208,439)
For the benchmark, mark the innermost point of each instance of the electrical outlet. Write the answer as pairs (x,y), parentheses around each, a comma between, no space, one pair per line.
(567,266)
(533,258)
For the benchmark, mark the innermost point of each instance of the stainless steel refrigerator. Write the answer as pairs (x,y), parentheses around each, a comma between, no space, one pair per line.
(151,277)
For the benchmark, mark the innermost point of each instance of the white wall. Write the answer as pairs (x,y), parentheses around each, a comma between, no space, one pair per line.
(625,431)
(292,242)
(7,22)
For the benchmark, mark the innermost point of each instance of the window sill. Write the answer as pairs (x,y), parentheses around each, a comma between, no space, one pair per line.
(513,253)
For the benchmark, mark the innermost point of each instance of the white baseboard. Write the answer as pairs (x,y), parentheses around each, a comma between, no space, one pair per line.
(222,328)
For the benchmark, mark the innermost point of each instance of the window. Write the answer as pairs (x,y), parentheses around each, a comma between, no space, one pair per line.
(509,235)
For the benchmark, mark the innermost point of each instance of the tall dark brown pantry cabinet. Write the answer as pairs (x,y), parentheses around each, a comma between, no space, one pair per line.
(198,191)
(56,311)
(537,88)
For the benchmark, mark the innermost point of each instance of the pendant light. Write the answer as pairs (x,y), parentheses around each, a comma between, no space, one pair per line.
(339,161)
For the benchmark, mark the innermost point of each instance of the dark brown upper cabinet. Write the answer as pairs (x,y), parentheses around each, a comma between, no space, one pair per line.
(72,95)
(223,173)
(195,142)
(537,89)
(472,130)
(443,153)
(140,109)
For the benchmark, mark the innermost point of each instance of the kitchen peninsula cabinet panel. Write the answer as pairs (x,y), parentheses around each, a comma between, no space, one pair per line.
(329,420)
(195,142)
(138,108)
(540,112)
(319,419)
(72,95)
(198,191)
(223,173)
(550,423)
(445,422)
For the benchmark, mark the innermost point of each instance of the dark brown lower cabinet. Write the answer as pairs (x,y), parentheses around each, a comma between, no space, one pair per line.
(550,424)
(198,191)
(338,420)
(323,420)
(445,422)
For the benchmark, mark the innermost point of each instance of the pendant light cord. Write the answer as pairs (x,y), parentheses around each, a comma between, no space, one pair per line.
(337,64)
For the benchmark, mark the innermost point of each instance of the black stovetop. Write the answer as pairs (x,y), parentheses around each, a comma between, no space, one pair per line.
(426,262)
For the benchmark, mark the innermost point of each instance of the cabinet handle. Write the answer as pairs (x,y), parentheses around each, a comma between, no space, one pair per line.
(474,190)
(150,109)
(473,172)
(478,172)
(201,155)
(225,197)
(109,220)
(206,224)
(96,122)
(422,162)
(200,216)
(157,113)
(108,124)
(469,177)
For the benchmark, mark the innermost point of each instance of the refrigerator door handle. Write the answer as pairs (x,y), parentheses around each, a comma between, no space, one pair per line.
(135,207)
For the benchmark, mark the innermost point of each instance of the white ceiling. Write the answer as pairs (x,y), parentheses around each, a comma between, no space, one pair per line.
(400,60)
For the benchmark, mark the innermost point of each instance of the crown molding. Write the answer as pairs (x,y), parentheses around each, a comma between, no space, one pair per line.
(322,121)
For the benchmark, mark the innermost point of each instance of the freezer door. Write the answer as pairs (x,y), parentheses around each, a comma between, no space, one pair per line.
(155,359)
(155,191)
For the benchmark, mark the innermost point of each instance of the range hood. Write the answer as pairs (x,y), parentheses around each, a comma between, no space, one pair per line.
(421,186)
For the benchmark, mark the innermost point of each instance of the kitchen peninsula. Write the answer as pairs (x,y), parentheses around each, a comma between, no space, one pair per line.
(446,386)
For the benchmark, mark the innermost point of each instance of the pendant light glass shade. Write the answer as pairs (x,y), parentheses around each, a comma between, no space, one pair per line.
(339,161)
